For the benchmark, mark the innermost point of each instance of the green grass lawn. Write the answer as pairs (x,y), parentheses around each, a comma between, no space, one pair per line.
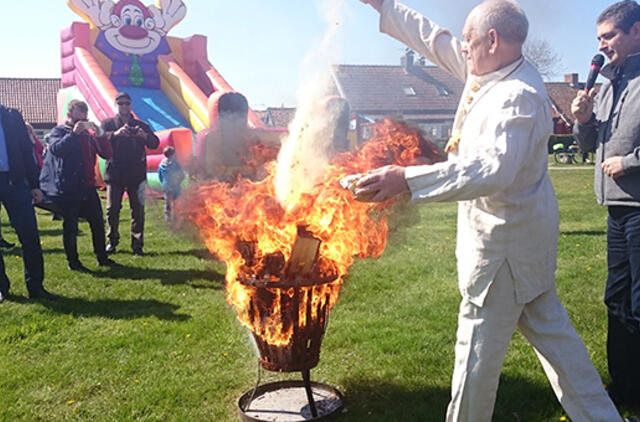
(155,340)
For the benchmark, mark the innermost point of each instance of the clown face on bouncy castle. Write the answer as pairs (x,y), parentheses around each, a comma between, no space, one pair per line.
(132,36)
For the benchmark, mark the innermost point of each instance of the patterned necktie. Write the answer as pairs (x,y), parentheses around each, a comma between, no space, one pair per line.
(461,113)
(135,74)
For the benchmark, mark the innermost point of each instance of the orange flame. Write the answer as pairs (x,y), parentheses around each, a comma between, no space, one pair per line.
(247,211)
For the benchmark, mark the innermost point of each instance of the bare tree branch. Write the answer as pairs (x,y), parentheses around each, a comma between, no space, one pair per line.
(540,53)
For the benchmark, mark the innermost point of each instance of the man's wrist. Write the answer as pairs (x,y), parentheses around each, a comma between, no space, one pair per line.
(591,119)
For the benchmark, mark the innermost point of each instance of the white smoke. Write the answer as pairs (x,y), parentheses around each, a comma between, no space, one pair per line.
(305,153)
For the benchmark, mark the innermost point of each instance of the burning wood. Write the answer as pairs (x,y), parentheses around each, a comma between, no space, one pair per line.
(300,312)
(304,253)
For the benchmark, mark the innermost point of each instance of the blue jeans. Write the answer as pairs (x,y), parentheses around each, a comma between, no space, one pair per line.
(19,206)
(622,297)
(170,197)
(622,294)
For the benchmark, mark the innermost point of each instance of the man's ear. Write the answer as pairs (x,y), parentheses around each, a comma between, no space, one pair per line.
(635,31)
(494,40)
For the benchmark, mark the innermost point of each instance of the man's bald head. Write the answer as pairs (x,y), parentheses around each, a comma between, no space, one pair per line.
(493,35)
(505,16)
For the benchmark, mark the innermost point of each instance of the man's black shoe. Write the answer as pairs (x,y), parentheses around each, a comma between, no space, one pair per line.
(138,252)
(5,244)
(631,419)
(111,248)
(107,262)
(41,293)
(77,266)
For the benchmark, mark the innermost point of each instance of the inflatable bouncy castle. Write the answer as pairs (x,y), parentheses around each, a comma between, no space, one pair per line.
(123,46)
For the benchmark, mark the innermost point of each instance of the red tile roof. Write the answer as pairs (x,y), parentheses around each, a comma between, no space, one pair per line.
(562,94)
(261,114)
(279,116)
(34,97)
(379,90)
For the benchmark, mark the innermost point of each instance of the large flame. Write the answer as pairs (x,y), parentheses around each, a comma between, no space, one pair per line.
(248,213)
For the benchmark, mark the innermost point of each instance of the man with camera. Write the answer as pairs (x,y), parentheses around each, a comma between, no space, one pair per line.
(126,171)
(68,179)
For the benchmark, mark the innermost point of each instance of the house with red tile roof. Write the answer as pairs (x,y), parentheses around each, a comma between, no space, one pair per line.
(35,98)
(426,96)
(423,95)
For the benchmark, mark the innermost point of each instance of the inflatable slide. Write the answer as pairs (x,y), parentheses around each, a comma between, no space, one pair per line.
(123,46)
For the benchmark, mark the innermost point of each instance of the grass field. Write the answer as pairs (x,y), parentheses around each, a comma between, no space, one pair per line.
(154,340)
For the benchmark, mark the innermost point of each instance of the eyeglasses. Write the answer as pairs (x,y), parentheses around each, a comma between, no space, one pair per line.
(124,103)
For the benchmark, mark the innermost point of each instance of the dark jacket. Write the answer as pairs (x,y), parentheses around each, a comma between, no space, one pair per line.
(62,177)
(614,130)
(128,166)
(22,166)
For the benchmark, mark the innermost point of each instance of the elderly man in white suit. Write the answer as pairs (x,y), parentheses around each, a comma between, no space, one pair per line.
(507,213)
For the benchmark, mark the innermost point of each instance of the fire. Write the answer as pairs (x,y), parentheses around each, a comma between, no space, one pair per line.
(253,233)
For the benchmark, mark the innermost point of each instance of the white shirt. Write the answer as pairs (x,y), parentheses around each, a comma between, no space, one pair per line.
(507,207)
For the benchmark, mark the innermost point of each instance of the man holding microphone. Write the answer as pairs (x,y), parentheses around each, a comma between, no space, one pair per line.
(609,124)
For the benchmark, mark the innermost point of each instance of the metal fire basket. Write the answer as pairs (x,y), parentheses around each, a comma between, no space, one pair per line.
(294,290)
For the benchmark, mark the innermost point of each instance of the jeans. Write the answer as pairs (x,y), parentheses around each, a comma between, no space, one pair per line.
(170,197)
(18,203)
(622,297)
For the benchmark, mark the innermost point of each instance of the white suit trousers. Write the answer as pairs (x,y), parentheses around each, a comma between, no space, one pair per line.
(483,338)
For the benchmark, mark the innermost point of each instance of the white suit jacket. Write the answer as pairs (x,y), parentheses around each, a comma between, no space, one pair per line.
(507,207)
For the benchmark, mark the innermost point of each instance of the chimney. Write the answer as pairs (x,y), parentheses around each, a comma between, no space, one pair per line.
(572,80)
(407,61)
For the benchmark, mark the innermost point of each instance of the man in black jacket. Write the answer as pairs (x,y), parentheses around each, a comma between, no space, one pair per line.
(68,178)
(18,191)
(127,171)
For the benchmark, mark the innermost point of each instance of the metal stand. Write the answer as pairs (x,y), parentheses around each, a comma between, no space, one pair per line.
(306,377)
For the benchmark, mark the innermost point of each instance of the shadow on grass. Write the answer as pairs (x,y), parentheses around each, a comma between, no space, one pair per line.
(111,308)
(584,232)
(198,253)
(17,251)
(166,276)
(51,233)
(370,400)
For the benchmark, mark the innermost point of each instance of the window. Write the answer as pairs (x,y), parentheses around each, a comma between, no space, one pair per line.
(442,91)
(409,91)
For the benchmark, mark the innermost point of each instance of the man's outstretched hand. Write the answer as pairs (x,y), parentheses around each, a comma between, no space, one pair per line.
(382,184)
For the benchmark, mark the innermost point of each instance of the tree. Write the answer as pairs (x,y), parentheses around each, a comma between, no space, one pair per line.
(543,57)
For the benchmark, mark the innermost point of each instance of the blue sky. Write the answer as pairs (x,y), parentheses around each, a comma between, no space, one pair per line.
(258,45)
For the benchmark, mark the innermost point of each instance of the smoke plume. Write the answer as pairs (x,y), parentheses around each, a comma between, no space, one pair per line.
(307,150)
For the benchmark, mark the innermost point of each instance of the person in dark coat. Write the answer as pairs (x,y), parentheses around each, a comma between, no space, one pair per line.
(18,191)
(68,179)
(126,171)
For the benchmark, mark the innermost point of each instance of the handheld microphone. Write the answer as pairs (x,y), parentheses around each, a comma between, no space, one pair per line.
(596,64)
